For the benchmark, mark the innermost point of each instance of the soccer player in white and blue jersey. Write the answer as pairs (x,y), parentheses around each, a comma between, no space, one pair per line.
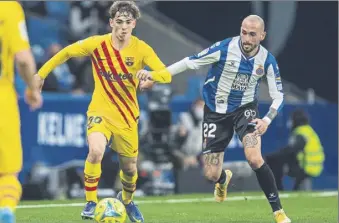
(230,93)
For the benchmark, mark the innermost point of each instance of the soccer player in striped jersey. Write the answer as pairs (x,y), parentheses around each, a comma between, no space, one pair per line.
(14,49)
(113,111)
(231,104)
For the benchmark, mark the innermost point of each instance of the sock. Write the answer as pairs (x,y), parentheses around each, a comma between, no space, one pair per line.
(267,183)
(10,192)
(222,178)
(92,175)
(128,186)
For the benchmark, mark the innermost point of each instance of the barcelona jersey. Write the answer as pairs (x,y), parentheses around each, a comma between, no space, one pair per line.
(114,72)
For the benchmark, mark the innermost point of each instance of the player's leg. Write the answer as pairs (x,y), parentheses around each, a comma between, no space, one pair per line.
(97,136)
(10,161)
(10,194)
(252,149)
(125,142)
(217,133)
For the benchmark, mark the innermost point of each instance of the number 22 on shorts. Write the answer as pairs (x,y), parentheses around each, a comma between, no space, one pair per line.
(209,130)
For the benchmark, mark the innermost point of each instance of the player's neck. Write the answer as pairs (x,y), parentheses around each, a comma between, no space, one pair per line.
(120,44)
(250,54)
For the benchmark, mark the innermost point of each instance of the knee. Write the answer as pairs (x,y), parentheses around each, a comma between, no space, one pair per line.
(130,169)
(211,173)
(96,152)
(255,161)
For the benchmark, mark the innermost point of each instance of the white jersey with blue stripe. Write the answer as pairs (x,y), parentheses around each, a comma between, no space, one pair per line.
(233,80)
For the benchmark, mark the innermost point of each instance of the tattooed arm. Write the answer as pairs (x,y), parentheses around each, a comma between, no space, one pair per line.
(271,114)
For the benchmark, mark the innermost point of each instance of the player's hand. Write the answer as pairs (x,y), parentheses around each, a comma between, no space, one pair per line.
(260,126)
(144,75)
(144,85)
(33,99)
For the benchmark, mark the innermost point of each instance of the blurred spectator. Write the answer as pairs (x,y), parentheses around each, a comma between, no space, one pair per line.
(36,7)
(303,156)
(60,79)
(88,18)
(81,67)
(188,137)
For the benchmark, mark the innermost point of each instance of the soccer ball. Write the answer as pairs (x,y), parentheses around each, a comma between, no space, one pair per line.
(110,210)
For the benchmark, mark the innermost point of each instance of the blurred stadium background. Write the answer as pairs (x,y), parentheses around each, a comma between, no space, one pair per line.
(302,35)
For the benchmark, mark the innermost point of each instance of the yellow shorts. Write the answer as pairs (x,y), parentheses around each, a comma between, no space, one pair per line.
(10,136)
(124,140)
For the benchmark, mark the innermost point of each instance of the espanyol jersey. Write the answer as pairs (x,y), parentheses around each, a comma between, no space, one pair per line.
(233,80)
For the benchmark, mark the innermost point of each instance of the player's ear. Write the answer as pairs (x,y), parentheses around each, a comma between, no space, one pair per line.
(134,23)
(263,35)
(111,22)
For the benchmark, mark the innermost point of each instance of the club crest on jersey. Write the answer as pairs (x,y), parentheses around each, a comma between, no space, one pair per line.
(129,61)
(259,70)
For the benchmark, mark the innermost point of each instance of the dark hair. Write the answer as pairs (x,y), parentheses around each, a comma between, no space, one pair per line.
(299,117)
(128,7)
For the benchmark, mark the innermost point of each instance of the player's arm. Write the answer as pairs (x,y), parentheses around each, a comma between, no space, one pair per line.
(78,49)
(275,91)
(26,66)
(20,46)
(208,56)
(152,60)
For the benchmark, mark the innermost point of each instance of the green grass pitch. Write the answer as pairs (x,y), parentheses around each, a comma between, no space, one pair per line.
(314,207)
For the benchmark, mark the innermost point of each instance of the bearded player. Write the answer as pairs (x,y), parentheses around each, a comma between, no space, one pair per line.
(231,104)
(113,111)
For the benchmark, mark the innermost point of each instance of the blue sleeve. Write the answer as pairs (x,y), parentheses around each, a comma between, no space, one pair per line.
(209,55)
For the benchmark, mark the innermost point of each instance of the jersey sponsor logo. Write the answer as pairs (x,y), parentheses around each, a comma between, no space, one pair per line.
(129,61)
(241,82)
(109,76)
(250,113)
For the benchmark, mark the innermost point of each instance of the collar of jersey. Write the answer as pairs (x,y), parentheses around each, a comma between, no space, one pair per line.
(243,53)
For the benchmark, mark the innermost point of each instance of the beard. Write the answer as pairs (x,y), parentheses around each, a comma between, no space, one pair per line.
(247,48)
